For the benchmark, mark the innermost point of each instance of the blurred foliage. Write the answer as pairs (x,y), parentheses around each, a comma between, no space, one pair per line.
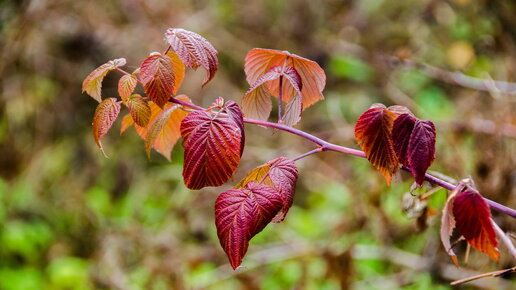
(71,219)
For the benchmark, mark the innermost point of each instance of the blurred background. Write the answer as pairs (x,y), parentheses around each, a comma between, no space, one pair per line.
(72,219)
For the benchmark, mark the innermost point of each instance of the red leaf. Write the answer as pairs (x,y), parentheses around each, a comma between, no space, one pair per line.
(92,84)
(140,109)
(421,149)
(473,220)
(170,132)
(281,174)
(373,134)
(259,61)
(240,214)
(105,115)
(212,149)
(401,131)
(194,50)
(126,86)
(157,76)
(236,115)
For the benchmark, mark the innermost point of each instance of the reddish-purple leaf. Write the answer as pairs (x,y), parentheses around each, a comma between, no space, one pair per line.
(126,86)
(235,114)
(92,84)
(373,134)
(105,115)
(293,111)
(140,109)
(217,104)
(473,220)
(421,149)
(401,131)
(240,214)
(157,76)
(281,174)
(212,149)
(194,50)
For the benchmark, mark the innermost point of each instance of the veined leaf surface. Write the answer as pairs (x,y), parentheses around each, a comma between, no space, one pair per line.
(242,213)
(194,50)
(92,84)
(105,115)
(158,78)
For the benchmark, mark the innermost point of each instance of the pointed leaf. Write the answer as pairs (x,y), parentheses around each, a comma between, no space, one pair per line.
(235,114)
(217,104)
(126,86)
(448,223)
(259,61)
(157,76)
(194,50)
(373,134)
(473,220)
(105,116)
(421,149)
(92,84)
(166,139)
(281,174)
(401,131)
(127,122)
(240,214)
(140,110)
(212,149)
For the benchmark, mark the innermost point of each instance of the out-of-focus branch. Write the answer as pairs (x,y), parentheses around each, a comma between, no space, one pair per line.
(454,78)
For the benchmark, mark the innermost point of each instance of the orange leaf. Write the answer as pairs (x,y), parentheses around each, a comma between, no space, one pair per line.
(373,134)
(179,70)
(194,50)
(170,132)
(259,61)
(92,84)
(126,86)
(105,116)
(127,121)
(140,110)
(158,78)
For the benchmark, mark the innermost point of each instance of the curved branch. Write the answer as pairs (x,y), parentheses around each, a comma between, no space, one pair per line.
(327,146)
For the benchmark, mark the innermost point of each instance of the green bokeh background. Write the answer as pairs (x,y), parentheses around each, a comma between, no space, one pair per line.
(72,219)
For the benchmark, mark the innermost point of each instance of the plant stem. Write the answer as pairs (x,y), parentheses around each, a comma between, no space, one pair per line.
(327,146)
(316,150)
(280,99)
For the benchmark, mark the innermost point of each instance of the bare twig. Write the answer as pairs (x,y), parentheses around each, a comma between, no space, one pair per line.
(490,274)
(454,78)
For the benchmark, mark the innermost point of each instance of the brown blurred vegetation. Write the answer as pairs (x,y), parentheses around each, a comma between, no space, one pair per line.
(71,219)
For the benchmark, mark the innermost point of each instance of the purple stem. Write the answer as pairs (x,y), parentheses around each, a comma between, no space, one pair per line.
(327,146)
(316,150)
(280,99)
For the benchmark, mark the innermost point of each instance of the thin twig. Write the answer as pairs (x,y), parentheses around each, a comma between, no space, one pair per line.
(280,100)
(505,239)
(316,150)
(490,274)
(455,78)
